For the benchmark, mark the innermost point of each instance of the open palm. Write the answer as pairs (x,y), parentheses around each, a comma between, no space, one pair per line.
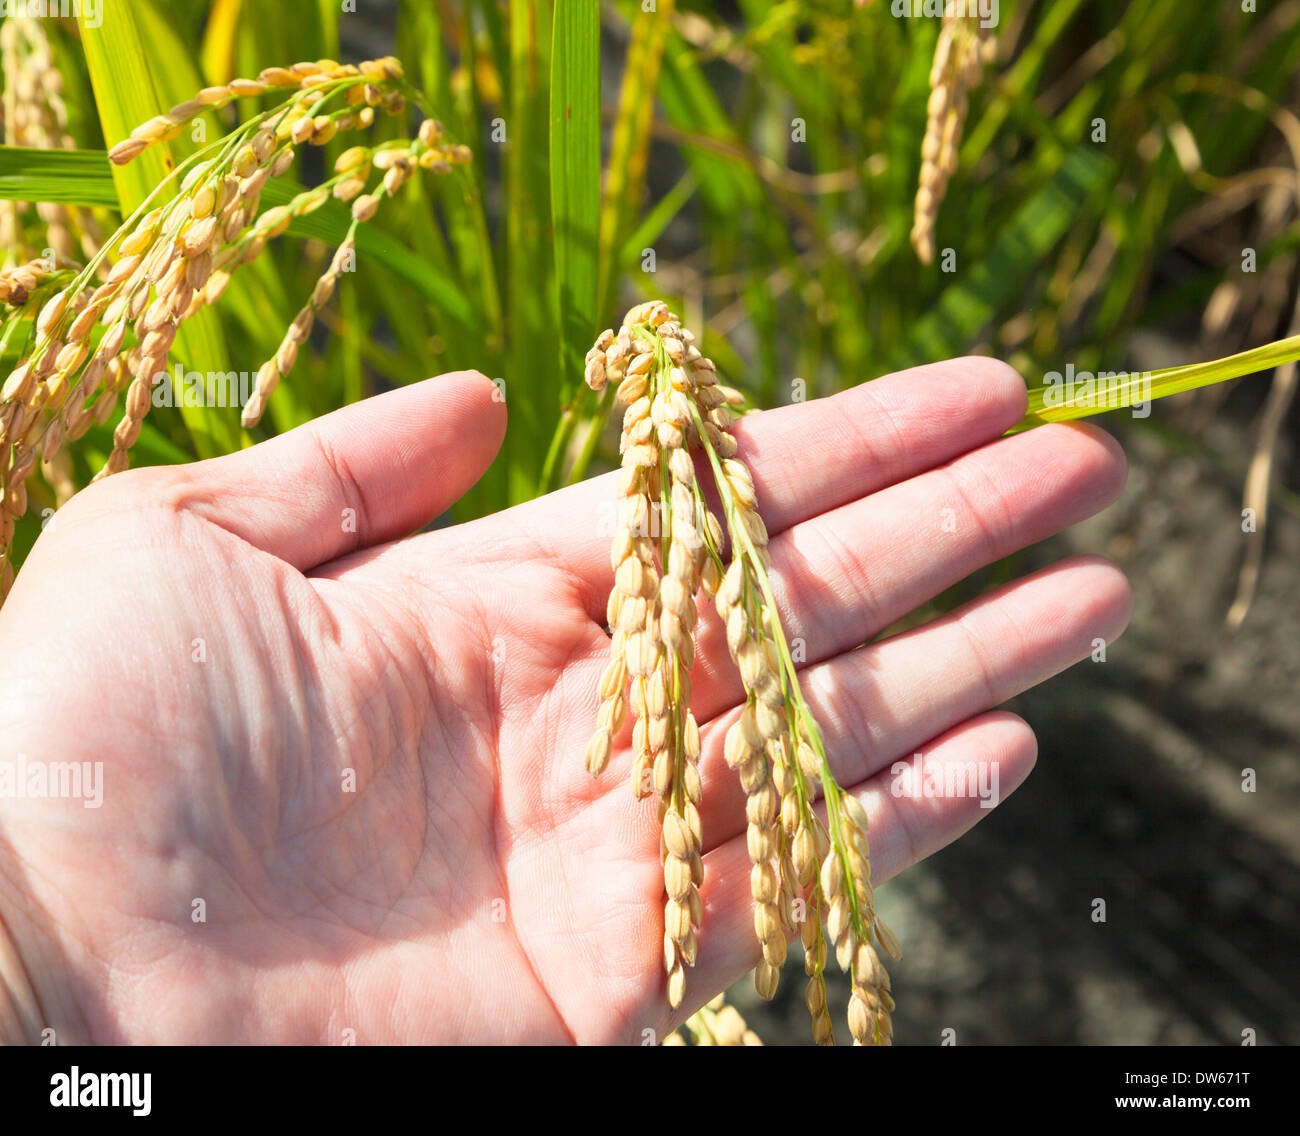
(343,783)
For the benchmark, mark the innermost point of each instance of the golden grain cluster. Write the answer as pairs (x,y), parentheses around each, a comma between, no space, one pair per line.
(668,550)
(94,344)
(963,49)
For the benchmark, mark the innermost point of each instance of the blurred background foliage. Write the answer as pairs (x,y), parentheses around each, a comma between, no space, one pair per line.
(759,162)
(1126,198)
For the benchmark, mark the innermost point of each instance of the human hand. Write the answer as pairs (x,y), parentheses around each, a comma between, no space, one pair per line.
(364,754)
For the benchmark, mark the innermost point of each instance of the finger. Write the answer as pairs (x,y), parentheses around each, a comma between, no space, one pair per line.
(370,472)
(818,455)
(844,576)
(994,748)
(806,458)
(888,699)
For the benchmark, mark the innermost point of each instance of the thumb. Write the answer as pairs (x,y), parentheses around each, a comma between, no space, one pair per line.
(394,461)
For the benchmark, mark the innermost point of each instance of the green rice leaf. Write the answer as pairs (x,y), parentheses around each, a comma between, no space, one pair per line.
(575,177)
(69,177)
(1055,402)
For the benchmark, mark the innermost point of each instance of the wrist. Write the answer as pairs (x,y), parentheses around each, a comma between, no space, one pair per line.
(21,1017)
(37,990)
(46,978)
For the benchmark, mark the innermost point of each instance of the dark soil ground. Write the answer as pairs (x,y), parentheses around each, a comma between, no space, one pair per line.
(1137,799)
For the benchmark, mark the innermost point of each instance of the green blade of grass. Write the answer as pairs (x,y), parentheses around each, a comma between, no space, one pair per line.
(70,177)
(530,271)
(1130,389)
(575,177)
(575,205)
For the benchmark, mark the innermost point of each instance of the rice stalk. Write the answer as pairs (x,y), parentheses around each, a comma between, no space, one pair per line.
(675,405)
(964,48)
(172,260)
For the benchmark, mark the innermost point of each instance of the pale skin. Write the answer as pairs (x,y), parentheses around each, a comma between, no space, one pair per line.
(358,755)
